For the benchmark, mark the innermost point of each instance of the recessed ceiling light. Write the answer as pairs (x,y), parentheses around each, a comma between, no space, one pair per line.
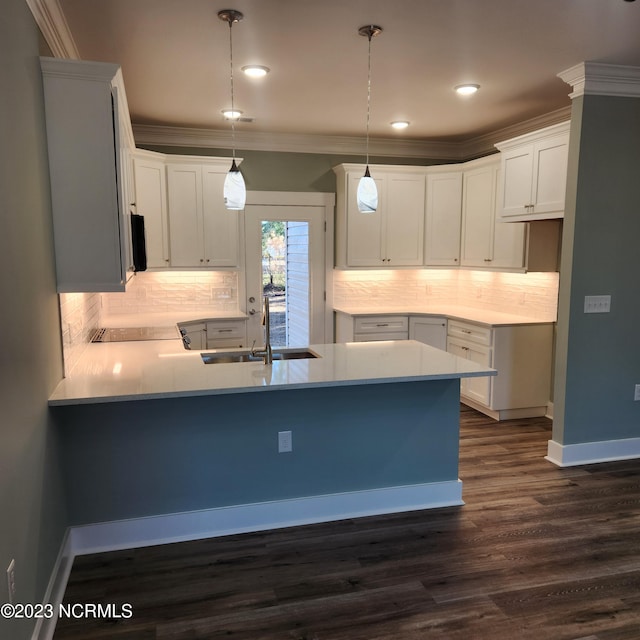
(467,89)
(256,70)
(231,115)
(400,124)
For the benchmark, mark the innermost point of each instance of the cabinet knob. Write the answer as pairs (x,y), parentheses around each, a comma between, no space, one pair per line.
(201,259)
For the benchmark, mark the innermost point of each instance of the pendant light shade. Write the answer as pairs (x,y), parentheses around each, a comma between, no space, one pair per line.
(234,191)
(367,193)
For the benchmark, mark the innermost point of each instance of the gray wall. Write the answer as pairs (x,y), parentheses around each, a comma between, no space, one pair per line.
(32,512)
(598,355)
(285,171)
(152,457)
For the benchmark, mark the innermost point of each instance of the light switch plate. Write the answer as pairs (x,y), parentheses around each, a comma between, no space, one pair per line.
(597,304)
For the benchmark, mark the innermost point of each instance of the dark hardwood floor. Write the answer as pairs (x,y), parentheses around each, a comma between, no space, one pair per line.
(537,552)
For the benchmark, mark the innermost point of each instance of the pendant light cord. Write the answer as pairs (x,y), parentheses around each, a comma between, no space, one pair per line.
(370,35)
(233,128)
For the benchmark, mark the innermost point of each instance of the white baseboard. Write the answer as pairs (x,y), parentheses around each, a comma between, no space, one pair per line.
(55,589)
(222,521)
(571,455)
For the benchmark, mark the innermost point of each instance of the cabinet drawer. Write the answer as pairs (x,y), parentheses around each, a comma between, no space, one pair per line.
(470,332)
(224,329)
(386,335)
(226,343)
(382,324)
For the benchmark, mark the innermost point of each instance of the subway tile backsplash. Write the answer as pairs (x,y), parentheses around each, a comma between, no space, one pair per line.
(175,291)
(80,317)
(530,294)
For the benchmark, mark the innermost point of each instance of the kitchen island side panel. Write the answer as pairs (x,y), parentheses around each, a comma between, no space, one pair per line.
(153,457)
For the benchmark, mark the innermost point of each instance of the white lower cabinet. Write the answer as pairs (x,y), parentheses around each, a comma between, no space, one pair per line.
(522,355)
(371,328)
(215,334)
(223,334)
(429,330)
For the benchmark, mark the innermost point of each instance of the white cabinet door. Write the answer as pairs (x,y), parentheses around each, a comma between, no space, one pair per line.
(534,174)
(202,232)
(478,206)
(404,212)
(186,238)
(550,177)
(431,331)
(391,236)
(443,219)
(221,237)
(151,202)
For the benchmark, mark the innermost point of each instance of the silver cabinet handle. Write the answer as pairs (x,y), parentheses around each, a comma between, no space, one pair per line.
(252,312)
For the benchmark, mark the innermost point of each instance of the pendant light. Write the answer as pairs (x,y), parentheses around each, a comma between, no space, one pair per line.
(235,192)
(367,194)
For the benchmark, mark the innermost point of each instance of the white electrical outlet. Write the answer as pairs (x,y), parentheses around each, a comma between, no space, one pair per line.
(636,396)
(11,580)
(285,442)
(597,304)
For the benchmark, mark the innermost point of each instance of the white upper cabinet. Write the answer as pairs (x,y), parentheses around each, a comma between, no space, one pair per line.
(534,175)
(443,219)
(151,202)
(90,144)
(202,232)
(392,236)
(487,242)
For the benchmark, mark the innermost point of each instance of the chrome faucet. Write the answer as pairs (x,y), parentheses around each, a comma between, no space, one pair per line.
(267,353)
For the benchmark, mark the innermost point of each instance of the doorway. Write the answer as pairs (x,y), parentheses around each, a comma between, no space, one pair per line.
(285,260)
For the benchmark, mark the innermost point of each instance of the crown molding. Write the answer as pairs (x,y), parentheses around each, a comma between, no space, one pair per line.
(165,136)
(298,143)
(600,79)
(55,30)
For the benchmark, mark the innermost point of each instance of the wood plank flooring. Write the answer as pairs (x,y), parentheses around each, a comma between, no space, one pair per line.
(536,552)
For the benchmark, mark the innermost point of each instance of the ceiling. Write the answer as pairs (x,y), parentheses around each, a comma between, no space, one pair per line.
(175,61)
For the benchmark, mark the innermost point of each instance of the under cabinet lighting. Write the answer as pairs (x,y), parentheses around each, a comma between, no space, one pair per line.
(400,124)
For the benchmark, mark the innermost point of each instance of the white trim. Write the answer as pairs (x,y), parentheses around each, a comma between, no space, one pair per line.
(159,135)
(50,18)
(570,455)
(600,79)
(262,516)
(45,627)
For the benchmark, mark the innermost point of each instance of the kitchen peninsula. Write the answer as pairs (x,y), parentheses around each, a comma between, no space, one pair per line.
(160,446)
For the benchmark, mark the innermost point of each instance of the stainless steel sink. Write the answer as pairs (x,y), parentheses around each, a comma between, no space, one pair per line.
(220,357)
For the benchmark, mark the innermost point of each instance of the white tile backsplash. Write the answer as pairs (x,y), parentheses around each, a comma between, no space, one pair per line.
(175,291)
(531,294)
(80,317)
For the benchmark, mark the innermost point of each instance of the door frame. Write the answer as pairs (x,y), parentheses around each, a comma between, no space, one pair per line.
(323,201)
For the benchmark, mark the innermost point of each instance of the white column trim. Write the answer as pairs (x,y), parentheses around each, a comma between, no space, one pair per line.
(600,79)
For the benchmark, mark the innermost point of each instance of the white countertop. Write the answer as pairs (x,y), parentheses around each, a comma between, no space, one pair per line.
(115,372)
(453,312)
